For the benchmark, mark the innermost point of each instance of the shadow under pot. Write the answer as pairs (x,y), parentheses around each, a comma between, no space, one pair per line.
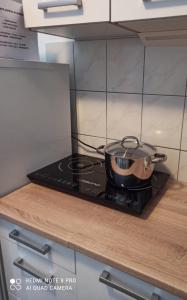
(130,163)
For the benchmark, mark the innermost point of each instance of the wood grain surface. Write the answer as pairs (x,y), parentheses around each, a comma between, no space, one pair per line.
(152,247)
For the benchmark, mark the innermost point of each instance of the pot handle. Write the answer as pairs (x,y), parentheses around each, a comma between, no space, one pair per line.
(130,138)
(100,150)
(158,158)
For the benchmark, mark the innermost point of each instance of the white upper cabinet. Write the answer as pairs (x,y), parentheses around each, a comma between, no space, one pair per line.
(71,18)
(150,15)
(92,19)
(64,12)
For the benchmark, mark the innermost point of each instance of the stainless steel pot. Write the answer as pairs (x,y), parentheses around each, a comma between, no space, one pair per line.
(130,163)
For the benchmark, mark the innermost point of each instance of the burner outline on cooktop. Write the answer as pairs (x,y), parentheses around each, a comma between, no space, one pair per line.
(86,169)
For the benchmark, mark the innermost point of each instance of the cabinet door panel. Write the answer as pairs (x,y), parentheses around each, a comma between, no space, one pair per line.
(89,287)
(58,254)
(12,297)
(25,285)
(90,12)
(127,10)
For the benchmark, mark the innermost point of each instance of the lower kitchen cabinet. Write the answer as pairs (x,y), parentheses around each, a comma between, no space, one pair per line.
(12,297)
(73,276)
(24,271)
(58,254)
(99,281)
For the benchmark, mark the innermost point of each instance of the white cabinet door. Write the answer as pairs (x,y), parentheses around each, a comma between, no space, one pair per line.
(24,280)
(12,297)
(58,254)
(89,286)
(128,10)
(150,15)
(61,12)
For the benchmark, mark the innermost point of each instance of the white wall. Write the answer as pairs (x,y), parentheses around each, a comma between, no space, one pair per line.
(124,89)
(43,40)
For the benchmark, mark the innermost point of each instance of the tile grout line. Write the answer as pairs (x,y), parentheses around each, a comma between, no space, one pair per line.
(75,84)
(184,107)
(141,125)
(127,93)
(110,10)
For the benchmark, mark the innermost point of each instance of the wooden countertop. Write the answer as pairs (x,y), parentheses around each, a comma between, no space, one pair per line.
(152,247)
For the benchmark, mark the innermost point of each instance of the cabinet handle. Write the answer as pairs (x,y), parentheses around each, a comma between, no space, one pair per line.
(22,265)
(107,279)
(58,3)
(15,235)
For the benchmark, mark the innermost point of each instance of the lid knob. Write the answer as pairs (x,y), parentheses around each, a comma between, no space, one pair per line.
(131,142)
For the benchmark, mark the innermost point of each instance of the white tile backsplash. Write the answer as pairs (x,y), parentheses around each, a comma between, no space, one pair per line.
(171,165)
(90,65)
(165,70)
(123,115)
(111,79)
(125,60)
(183,166)
(184,133)
(90,140)
(162,120)
(91,113)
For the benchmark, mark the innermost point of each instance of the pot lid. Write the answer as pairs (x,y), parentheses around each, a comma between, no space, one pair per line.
(130,148)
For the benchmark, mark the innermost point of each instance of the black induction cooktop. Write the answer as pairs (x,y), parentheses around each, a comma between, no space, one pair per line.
(84,176)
